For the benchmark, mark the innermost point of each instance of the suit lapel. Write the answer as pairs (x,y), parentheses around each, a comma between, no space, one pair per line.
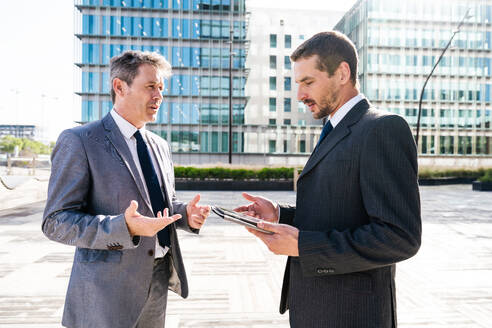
(115,137)
(341,131)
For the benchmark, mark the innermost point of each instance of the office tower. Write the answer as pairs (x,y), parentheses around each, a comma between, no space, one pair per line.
(398,44)
(194,36)
(288,130)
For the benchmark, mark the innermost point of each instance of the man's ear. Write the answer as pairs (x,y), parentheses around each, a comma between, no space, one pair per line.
(119,87)
(343,73)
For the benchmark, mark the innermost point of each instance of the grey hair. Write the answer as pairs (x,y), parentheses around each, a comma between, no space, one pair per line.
(125,66)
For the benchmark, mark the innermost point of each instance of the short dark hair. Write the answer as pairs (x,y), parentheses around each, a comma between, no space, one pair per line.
(332,48)
(125,66)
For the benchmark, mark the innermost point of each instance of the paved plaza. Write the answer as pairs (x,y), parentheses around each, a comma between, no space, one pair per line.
(235,282)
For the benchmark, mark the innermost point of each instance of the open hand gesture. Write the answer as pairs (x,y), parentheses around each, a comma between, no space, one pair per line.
(197,214)
(139,225)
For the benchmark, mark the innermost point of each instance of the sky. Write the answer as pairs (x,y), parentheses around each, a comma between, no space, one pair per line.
(37,54)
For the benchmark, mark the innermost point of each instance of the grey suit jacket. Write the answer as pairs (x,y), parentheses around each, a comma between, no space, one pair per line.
(358,212)
(93,179)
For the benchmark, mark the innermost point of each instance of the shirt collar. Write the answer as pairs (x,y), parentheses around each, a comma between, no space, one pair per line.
(342,111)
(127,129)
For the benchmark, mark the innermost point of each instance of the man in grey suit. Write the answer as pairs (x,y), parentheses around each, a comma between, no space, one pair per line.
(111,191)
(357,210)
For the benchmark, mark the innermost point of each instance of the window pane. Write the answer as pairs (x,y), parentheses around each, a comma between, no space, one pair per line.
(287,105)
(287,62)
(273,41)
(273,83)
(288,41)
(273,104)
(302,146)
(287,84)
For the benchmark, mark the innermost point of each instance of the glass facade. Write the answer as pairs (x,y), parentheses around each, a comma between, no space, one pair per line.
(193,36)
(397,52)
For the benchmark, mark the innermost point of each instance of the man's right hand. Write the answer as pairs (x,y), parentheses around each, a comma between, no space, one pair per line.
(260,207)
(139,225)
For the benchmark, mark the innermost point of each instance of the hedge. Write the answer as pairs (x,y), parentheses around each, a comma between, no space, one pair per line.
(220,173)
(487,176)
(453,173)
(286,173)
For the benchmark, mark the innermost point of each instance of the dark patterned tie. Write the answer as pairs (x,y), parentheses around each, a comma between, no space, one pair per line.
(155,193)
(326,129)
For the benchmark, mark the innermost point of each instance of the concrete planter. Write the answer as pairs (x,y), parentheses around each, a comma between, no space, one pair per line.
(482,186)
(240,185)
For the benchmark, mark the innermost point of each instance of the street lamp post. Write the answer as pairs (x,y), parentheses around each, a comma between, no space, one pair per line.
(432,71)
(231,54)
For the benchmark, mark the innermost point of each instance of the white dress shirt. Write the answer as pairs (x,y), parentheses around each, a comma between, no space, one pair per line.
(342,111)
(128,130)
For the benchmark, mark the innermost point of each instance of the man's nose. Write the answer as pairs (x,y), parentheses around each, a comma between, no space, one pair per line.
(301,95)
(158,94)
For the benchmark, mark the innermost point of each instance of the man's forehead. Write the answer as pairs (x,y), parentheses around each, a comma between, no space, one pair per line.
(150,72)
(304,67)
(308,68)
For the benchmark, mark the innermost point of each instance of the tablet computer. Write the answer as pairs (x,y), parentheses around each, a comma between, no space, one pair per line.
(239,218)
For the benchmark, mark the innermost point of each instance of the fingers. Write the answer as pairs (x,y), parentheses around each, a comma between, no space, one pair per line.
(195,200)
(196,221)
(269,226)
(132,209)
(244,208)
(252,213)
(249,197)
(164,221)
(254,232)
(205,211)
(175,217)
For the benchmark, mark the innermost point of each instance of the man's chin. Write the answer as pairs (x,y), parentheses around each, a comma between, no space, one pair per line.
(153,117)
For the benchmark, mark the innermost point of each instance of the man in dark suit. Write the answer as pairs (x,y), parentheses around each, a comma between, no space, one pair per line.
(357,210)
(102,173)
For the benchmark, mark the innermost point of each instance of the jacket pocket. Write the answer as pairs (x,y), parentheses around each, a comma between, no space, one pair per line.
(97,255)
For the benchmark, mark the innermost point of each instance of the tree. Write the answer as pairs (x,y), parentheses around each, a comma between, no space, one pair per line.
(8,143)
(27,146)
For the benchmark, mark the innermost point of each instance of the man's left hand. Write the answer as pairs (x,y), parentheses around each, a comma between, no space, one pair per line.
(284,241)
(197,214)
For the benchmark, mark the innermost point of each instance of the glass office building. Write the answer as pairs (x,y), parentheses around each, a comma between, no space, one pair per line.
(398,44)
(288,128)
(194,36)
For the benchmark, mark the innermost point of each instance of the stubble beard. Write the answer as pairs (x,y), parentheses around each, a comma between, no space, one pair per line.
(326,105)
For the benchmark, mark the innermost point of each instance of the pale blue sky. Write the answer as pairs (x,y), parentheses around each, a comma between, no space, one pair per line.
(36,38)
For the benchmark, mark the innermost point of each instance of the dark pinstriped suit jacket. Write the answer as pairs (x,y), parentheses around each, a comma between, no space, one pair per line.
(358,212)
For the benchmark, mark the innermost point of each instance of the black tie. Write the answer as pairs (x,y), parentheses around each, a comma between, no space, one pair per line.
(155,193)
(326,129)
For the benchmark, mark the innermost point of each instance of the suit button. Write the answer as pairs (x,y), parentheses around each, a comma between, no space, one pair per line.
(151,252)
